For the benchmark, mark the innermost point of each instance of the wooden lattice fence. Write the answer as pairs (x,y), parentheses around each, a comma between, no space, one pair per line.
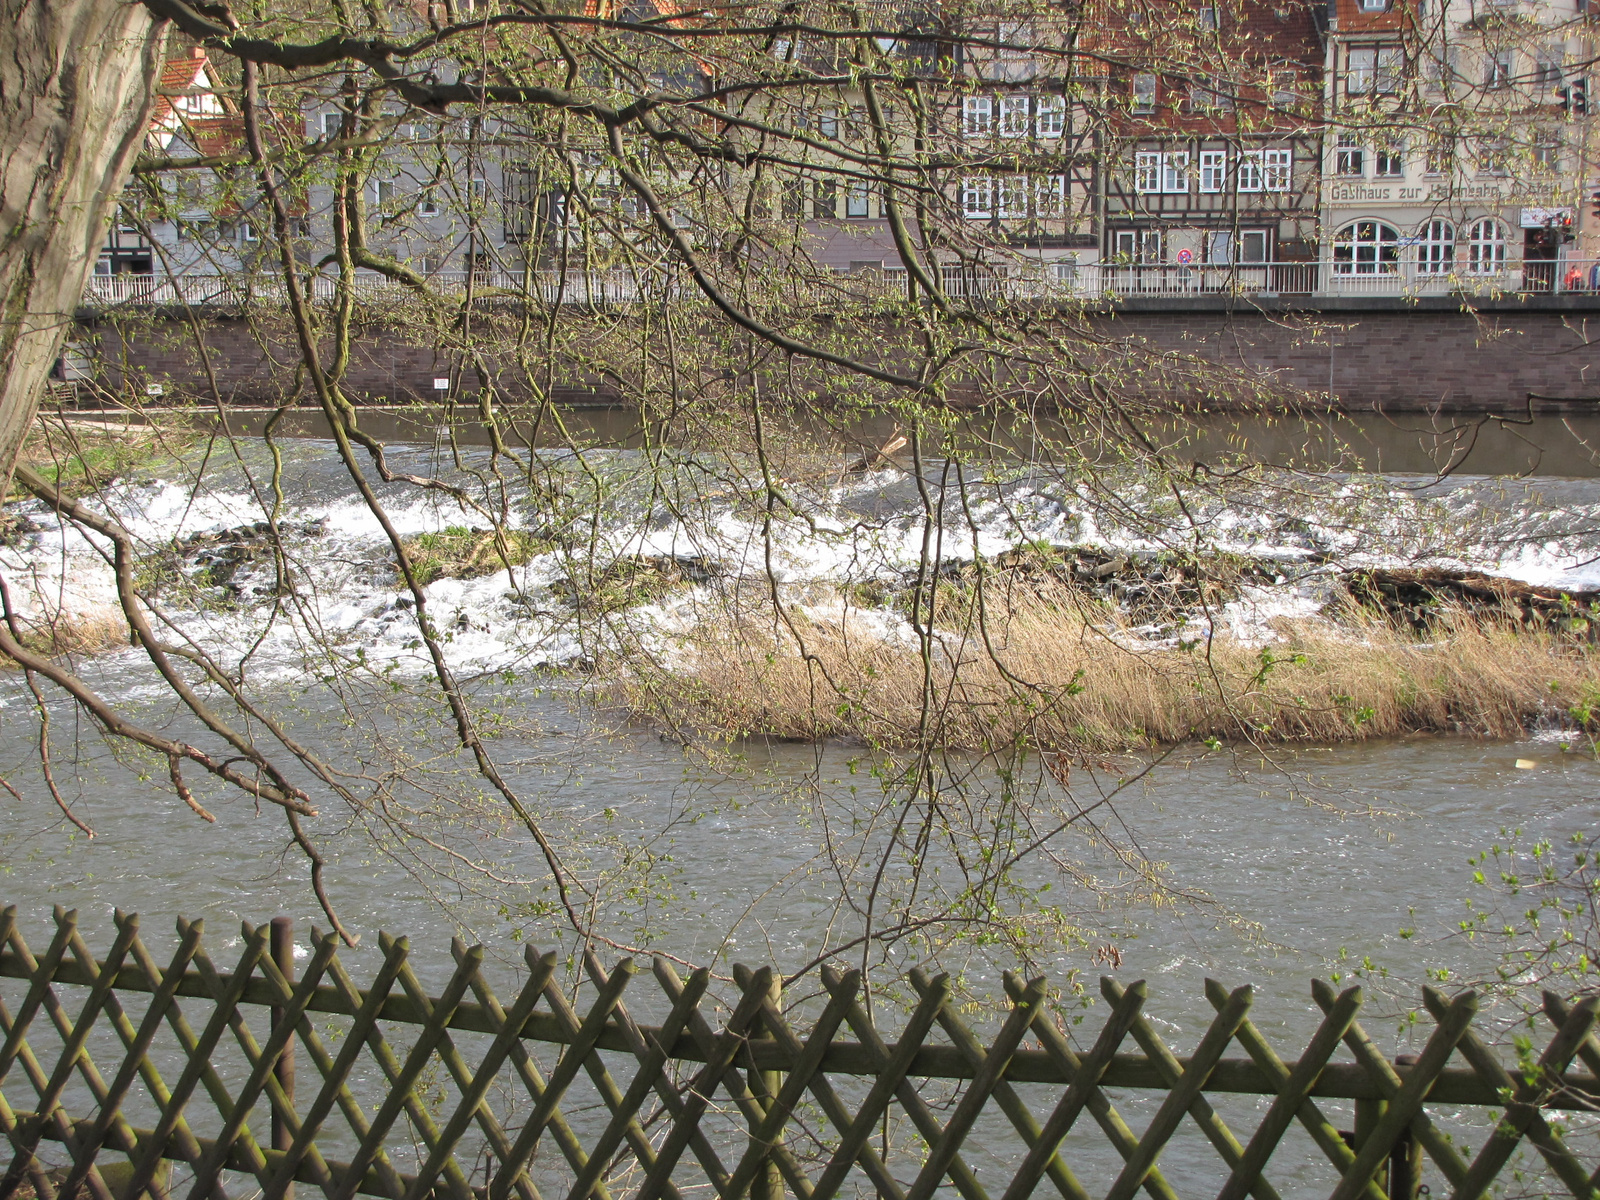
(457,1095)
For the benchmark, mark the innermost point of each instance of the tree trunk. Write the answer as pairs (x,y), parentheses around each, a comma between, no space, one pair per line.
(77,82)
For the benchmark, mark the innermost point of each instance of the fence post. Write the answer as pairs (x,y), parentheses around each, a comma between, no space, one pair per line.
(1368,1114)
(765,1085)
(282,949)
(1405,1162)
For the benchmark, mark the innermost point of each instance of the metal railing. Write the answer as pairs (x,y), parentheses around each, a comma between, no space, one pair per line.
(1107,280)
(450,1093)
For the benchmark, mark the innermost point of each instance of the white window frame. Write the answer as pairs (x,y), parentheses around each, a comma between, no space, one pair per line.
(1361,70)
(1375,254)
(1011,197)
(1499,68)
(1147,172)
(1050,116)
(1175,173)
(1249,177)
(977,197)
(428,205)
(383,191)
(1349,157)
(1277,170)
(1213,170)
(1144,93)
(1245,256)
(332,124)
(1436,247)
(1486,247)
(977,116)
(858,200)
(1013,120)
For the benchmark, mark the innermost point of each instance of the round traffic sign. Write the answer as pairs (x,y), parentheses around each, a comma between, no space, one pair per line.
(1185,257)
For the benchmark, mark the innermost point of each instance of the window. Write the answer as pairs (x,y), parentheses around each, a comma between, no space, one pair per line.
(1492,157)
(825,198)
(1548,72)
(1436,248)
(1013,60)
(1144,93)
(1277,170)
(383,190)
(977,116)
(1050,195)
(1146,172)
(1547,150)
(428,206)
(1374,6)
(1208,18)
(1250,171)
(1285,90)
(858,200)
(977,197)
(1441,154)
(1247,246)
(1050,116)
(1175,173)
(1498,68)
(1014,116)
(1486,248)
(1349,158)
(828,123)
(1208,95)
(248,233)
(1013,197)
(1373,70)
(1389,162)
(332,124)
(1138,245)
(1366,248)
(1213,170)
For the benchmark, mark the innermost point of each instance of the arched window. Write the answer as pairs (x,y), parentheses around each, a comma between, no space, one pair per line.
(1486,248)
(1436,248)
(1366,248)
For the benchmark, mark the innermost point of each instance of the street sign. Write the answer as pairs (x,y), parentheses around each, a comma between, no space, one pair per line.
(1185,257)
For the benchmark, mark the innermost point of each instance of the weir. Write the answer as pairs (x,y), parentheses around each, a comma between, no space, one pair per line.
(451,1092)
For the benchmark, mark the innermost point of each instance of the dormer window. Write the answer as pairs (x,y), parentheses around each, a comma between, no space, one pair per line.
(1374,6)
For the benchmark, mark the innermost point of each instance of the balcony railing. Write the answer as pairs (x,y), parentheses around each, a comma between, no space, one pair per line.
(1053,281)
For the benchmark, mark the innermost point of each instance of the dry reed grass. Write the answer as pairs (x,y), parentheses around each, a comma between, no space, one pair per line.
(1057,674)
(90,631)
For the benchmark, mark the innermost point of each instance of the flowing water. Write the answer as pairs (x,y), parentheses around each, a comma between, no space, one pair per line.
(1345,859)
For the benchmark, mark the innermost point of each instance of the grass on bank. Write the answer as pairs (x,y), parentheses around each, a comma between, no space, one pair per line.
(1058,675)
(457,552)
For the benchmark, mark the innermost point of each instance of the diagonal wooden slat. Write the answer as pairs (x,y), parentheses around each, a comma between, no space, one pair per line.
(41,971)
(262,1061)
(1294,1093)
(1100,1107)
(1181,1099)
(532,1080)
(475,1086)
(1199,1108)
(402,1094)
(984,1081)
(547,1103)
(62,1129)
(624,1121)
(136,1047)
(1388,1082)
(750,1106)
(889,1076)
(1085,1084)
(706,1081)
(1556,1008)
(914,1106)
(335,1073)
(1005,1095)
(1523,1118)
(26,1143)
(1407,1102)
(199,1054)
(801,1077)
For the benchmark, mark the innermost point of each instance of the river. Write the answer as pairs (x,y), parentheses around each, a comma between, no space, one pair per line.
(1310,862)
